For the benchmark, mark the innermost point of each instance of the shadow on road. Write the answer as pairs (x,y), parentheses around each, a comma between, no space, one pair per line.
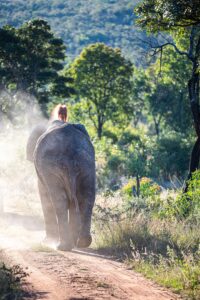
(33,295)
(93,253)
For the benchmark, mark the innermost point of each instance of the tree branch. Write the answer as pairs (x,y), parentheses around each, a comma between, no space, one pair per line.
(160,47)
(173,45)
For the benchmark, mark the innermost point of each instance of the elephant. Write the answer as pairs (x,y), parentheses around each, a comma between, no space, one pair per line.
(64,160)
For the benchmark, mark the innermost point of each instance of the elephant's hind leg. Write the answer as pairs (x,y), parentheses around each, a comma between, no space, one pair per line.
(59,199)
(74,222)
(86,197)
(50,219)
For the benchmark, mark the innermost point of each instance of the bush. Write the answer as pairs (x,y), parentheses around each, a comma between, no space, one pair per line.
(11,281)
(110,135)
(115,162)
(170,156)
(129,136)
(190,202)
(148,188)
(181,205)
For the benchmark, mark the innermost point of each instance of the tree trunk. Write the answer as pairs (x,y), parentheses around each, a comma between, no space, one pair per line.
(100,127)
(138,185)
(157,125)
(193,87)
(157,129)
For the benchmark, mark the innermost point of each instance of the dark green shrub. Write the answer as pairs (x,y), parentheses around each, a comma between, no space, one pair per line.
(114,162)
(170,156)
(111,135)
(11,281)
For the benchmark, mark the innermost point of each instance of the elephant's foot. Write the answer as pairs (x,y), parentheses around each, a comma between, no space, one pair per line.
(63,246)
(84,241)
(50,240)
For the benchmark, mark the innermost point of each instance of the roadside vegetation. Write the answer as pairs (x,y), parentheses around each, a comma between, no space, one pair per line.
(12,280)
(156,233)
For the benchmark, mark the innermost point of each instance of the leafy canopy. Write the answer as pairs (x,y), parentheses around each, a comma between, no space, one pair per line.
(31,59)
(102,77)
(161,15)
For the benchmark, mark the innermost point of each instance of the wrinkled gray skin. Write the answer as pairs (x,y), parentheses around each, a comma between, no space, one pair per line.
(65,164)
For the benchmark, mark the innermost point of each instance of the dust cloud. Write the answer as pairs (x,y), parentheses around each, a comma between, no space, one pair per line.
(21,220)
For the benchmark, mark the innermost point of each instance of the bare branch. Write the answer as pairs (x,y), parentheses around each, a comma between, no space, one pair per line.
(153,44)
(173,45)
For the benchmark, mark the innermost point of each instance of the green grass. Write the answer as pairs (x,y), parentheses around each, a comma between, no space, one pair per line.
(181,275)
(40,247)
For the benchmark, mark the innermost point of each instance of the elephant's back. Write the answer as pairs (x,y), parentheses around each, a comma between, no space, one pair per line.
(65,144)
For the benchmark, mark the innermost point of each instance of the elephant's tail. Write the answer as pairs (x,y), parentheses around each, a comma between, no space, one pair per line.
(72,183)
(73,195)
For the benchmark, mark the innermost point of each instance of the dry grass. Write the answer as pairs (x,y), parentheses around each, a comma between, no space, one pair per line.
(166,251)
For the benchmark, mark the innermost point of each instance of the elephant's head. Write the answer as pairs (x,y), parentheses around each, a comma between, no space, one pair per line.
(32,140)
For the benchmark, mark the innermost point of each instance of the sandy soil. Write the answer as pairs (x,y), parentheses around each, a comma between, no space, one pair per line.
(79,274)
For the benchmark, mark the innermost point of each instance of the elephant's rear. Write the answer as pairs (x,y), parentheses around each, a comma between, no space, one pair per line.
(65,147)
(67,154)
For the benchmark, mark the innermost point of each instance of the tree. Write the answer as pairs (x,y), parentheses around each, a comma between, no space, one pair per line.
(31,60)
(141,87)
(159,101)
(182,20)
(171,78)
(167,100)
(102,78)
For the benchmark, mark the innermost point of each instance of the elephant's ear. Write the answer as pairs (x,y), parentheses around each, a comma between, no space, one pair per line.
(81,128)
(32,140)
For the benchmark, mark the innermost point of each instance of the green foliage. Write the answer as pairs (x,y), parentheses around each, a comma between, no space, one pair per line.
(167,98)
(182,17)
(156,15)
(31,59)
(109,22)
(172,206)
(189,202)
(141,86)
(148,188)
(110,133)
(114,162)
(11,280)
(131,153)
(126,156)
(102,77)
(170,155)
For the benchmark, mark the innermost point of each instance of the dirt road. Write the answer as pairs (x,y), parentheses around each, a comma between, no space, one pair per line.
(56,275)
(83,275)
